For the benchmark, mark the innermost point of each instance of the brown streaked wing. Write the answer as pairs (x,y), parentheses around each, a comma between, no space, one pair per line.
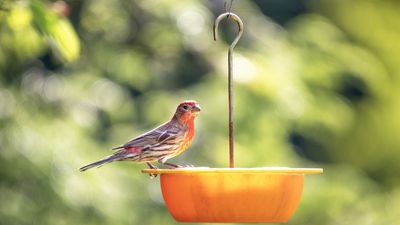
(158,135)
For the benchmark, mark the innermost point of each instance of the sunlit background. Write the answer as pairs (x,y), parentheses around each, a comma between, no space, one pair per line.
(317,84)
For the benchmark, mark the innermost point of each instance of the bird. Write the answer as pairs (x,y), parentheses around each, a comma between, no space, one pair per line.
(160,144)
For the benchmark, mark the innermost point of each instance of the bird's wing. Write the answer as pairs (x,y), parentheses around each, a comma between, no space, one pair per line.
(156,136)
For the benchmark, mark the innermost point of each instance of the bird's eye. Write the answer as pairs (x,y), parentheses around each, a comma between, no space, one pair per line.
(185,107)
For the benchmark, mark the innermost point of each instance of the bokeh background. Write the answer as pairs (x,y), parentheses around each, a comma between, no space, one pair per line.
(317,84)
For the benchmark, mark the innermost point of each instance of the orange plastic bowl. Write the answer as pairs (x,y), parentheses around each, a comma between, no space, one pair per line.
(232,194)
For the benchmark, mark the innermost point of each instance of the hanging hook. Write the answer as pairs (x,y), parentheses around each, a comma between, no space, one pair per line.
(239,22)
(235,18)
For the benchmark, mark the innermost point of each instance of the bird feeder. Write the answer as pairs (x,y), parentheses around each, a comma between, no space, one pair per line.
(268,194)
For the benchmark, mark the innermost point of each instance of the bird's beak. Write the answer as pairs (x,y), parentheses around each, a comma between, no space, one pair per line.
(196,108)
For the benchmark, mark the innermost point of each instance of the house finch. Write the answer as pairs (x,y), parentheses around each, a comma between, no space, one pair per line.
(160,144)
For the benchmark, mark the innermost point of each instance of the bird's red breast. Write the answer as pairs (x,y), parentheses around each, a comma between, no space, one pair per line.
(189,135)
(186,118)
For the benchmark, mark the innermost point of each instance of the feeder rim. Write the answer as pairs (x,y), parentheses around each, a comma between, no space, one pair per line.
(278,170)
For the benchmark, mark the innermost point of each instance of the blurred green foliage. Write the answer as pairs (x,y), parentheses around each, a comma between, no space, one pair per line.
(316,85)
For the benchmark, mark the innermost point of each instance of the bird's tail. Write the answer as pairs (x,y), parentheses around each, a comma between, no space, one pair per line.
(101,162)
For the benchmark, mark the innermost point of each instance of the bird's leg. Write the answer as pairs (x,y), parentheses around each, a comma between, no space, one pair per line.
(163,162)
(177,166)
(152,167)
(172,165)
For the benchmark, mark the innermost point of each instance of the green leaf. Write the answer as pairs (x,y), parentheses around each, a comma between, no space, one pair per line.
(59,31)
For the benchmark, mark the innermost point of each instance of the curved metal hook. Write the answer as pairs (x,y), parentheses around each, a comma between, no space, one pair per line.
(235,18)
(239,22)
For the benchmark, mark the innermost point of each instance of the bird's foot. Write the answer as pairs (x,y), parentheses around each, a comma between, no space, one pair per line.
(174,166)
(188,165)
(152,176)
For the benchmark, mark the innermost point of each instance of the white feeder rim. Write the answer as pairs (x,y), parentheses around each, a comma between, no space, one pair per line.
(278,170)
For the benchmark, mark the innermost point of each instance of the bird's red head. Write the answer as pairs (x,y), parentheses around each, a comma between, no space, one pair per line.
(187,111)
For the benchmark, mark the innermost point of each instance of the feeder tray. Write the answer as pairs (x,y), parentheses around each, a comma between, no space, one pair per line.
(269,194)
(202,194)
